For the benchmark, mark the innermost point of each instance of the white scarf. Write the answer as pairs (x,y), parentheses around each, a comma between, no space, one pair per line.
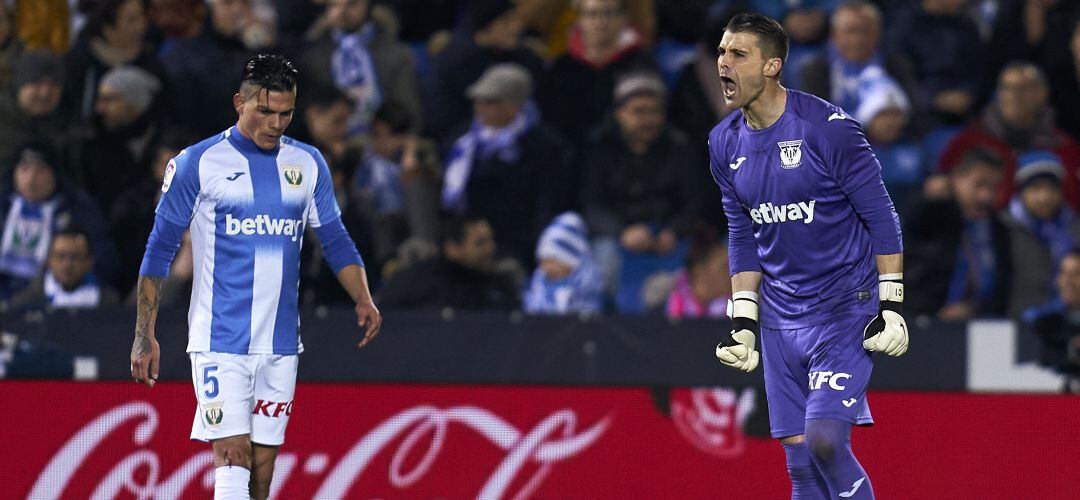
(28,230)
(86,295)
(354,73)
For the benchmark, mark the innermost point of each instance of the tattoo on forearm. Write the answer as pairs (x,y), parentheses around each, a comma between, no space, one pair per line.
(149,289)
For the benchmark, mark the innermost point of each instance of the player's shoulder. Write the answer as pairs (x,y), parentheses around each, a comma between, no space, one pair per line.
(191,156)
(722,131)
(816,111)
(291,145)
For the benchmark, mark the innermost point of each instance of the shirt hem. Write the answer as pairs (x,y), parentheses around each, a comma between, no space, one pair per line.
(820,320)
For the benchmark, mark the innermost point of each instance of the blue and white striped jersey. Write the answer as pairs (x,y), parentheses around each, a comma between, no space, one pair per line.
(247,209)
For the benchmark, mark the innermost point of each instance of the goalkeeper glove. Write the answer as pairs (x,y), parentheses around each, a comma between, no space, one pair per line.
(888,332)
(736,349)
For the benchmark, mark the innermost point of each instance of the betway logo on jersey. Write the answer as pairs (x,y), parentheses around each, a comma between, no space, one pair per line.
(768,213)
(264,225)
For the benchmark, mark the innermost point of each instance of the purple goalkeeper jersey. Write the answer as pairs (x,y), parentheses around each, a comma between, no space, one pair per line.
(806,207)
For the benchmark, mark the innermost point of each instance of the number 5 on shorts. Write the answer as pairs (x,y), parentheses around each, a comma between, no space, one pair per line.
(210,380)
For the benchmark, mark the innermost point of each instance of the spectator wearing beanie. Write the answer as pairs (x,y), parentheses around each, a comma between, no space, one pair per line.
(33,110)
(1042,229)
(884,111)
(124,130)
(566,279)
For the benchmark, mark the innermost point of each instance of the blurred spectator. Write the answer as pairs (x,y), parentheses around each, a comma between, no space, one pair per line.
(956,248)
(602,46)
(68,281)
(176,21)
(697,101)
(703,287)
(36,205)
(464,276)
(131,218)
(10,45)
(1057,324)
(114,36)
(124,129)
(507,154)
(1043,229)
(489,34)
(1018,119)
(853,58)
(363,58)
(640,181)
(32,110)
(1065,89)
(203,69)
(552,19)
(884,111)
(1033,30)
(42,24)
(944,47)
(397,182)
(566,279)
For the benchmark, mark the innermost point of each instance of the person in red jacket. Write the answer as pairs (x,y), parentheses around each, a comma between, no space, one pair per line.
(1017,120)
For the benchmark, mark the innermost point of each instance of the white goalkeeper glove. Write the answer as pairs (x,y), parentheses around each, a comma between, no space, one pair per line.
(736,349)
(888,332)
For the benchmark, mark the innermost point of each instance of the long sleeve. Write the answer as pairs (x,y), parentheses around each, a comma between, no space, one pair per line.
(742,248)
(857,171)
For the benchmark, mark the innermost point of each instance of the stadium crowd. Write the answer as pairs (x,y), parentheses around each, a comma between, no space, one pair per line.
(548,155)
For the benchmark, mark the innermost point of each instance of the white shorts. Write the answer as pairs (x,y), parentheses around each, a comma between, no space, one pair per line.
(243,394)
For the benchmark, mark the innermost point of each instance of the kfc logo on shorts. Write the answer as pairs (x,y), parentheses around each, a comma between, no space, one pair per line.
(817,379)
(272,408)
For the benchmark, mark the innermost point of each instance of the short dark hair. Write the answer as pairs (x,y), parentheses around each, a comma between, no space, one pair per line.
(454,227)
(73,232)
(772,39)
(272,72)
(324,96)
(978,156)
(396,116)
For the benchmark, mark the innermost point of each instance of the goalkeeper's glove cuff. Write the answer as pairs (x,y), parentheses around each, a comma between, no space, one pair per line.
(891,292)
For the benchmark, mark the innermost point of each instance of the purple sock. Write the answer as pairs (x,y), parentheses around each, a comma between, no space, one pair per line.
(806,481)
(829,442)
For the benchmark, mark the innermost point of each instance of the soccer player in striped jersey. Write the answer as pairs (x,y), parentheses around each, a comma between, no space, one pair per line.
(812,229)
(247,194)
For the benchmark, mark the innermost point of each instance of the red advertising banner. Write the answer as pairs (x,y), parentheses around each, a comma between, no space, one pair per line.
(120,440)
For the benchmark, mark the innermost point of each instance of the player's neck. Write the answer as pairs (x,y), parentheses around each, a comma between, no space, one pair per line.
(767,108)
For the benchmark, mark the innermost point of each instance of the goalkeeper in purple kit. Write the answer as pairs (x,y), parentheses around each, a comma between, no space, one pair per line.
(813,231)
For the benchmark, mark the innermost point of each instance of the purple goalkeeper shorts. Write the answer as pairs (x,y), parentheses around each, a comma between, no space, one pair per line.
(820,371)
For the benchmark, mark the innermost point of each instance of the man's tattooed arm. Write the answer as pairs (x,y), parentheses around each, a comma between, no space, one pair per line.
(144,350)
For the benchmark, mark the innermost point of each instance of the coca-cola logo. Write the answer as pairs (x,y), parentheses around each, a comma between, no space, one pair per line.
(419,430)
(712,418)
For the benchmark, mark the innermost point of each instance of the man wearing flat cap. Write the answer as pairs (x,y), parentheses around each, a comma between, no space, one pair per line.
(507,154)
(33,110)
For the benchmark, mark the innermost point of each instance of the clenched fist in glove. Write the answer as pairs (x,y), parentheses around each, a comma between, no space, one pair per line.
(888,332)
(736,349)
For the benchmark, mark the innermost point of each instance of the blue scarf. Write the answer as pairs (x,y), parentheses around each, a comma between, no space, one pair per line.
(974,276)
(579,292)
(848,78)
(484,143)
(1053,234)
(27,232)
(354,73)
(380,180)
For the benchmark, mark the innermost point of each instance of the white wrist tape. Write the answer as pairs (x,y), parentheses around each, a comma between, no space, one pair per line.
(744,305)
(891,291)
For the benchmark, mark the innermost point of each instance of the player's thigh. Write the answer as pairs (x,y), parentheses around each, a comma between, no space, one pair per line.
(223,387)
(275,385)
(840,370)
(785,381)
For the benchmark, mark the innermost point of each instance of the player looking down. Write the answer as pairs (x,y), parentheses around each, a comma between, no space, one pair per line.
(247,194)
(812,227)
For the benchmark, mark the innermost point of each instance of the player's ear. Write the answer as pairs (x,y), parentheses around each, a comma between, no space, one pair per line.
(238,102)
(773,66)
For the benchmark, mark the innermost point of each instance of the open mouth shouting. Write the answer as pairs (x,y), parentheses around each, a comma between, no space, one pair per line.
(729,87)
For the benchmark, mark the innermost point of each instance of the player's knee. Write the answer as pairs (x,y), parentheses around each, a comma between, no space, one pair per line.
(822,448)
(233,453)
